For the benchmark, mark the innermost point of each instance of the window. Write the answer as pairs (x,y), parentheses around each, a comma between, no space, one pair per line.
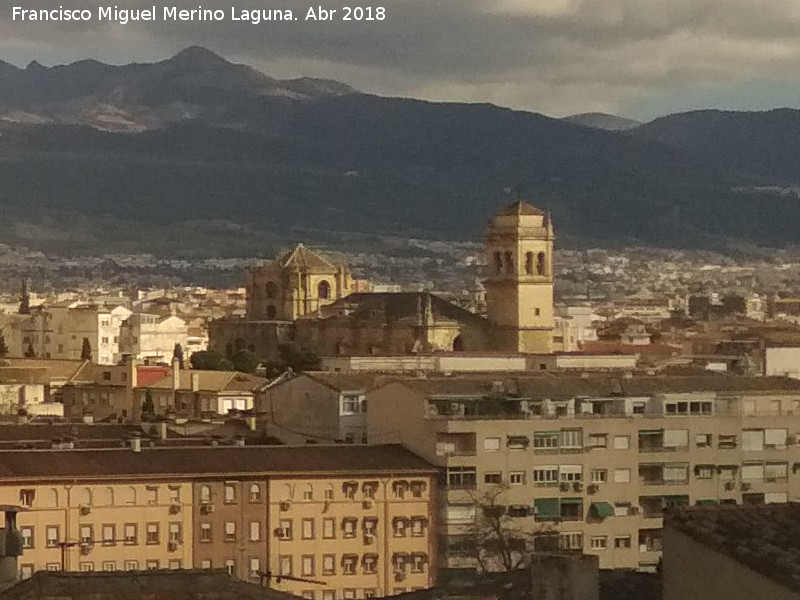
(461,477)
(285,529)
(348,594)
(349,528)
(570,473)
(676,473)
(86,534)
(131,537)
(285,565)
(493,478)
(704,471)
(622,475)
(399,525)
(255,567)
(418,526)
(308,529)
(230,531)
(599,542)
(109,565)
(369,489)
(328,528)
(351,404)
(418,562)
(676,438)
(109,535)
(175,536)
(369,526)
(491,444)
(370,564)
(349,562)
(255,531)
(307,564)
(776,471)
(86,567)
(622,442)
(255,493)
(230,493)
(153,536)
(53,567)
(597,440)
(727,442)
(545,439)
(27,537)
(622,541)
(328,493)
(324,290)
(26,497)
(308,492)
(545,475)
(571,438)
(205,494)
(598,475)
(152,495)
(174,494)
(205,532)
(517,442)
(328,564)
(516,478)
(418,488)
(702,440)
(775,438)
(570,541)
(52,536)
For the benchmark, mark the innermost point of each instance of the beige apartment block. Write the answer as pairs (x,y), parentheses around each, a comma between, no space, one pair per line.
(152,337)
(589,463)
(334,522)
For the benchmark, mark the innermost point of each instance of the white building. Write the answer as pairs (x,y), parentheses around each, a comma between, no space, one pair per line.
(152,337)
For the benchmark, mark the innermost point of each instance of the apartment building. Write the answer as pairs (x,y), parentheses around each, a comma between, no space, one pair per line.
(589,463)
(152,337)
(319,407)
(336,522)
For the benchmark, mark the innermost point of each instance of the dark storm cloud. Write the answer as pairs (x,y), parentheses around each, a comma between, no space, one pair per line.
(555,56)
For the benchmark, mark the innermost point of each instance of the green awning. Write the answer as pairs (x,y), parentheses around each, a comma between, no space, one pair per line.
(601,510)
(676,500)
(707,501)
(546,508)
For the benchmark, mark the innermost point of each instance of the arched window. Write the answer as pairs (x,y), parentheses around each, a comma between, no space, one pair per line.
(529,263)
(255,492)
(205,494)
(131,499)
(271,312)
(541,267)
(498,262)
(270,289)
(288,492)
(509,262)
(86,496)
(458,344)
(308,492)
(52,498)
(108,496)
(324,290)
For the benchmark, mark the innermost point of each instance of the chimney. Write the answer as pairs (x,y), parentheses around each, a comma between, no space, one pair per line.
(195,382)
(176,374)
(136,443)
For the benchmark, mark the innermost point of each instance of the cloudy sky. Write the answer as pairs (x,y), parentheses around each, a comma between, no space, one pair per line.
(636,58)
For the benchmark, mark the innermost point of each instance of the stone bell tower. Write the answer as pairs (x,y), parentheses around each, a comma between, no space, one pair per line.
(519,286)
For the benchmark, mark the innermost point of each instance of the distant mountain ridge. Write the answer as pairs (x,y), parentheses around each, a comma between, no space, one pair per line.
(137,156)
(194,84)
(603,121)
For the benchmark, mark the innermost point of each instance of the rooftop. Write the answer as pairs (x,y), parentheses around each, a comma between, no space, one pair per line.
(520,208)
(764,537)
(172,462)
(188,584)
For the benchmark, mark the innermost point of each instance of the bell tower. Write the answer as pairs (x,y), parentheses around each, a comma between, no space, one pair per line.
(519,286)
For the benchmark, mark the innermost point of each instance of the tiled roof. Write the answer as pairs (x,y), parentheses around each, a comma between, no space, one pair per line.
(399,305)
(228,461)
(56,369)
(28,432)
(303,257)
(212,381)
(553,386)
(173,584)
(347,381)
(764,537)
(520,208)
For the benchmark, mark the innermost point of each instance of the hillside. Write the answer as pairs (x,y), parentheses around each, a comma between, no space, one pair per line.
(221,156)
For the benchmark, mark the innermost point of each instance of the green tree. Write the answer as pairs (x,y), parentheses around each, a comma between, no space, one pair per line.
(210,360)
(148,406)
(25,299)
(245,361)
(177,354)
(3,345)
(294,356)
(86,349)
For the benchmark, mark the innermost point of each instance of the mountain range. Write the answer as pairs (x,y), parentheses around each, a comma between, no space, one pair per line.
(195,155)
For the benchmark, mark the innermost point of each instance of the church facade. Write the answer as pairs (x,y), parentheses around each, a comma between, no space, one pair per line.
(304,297)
